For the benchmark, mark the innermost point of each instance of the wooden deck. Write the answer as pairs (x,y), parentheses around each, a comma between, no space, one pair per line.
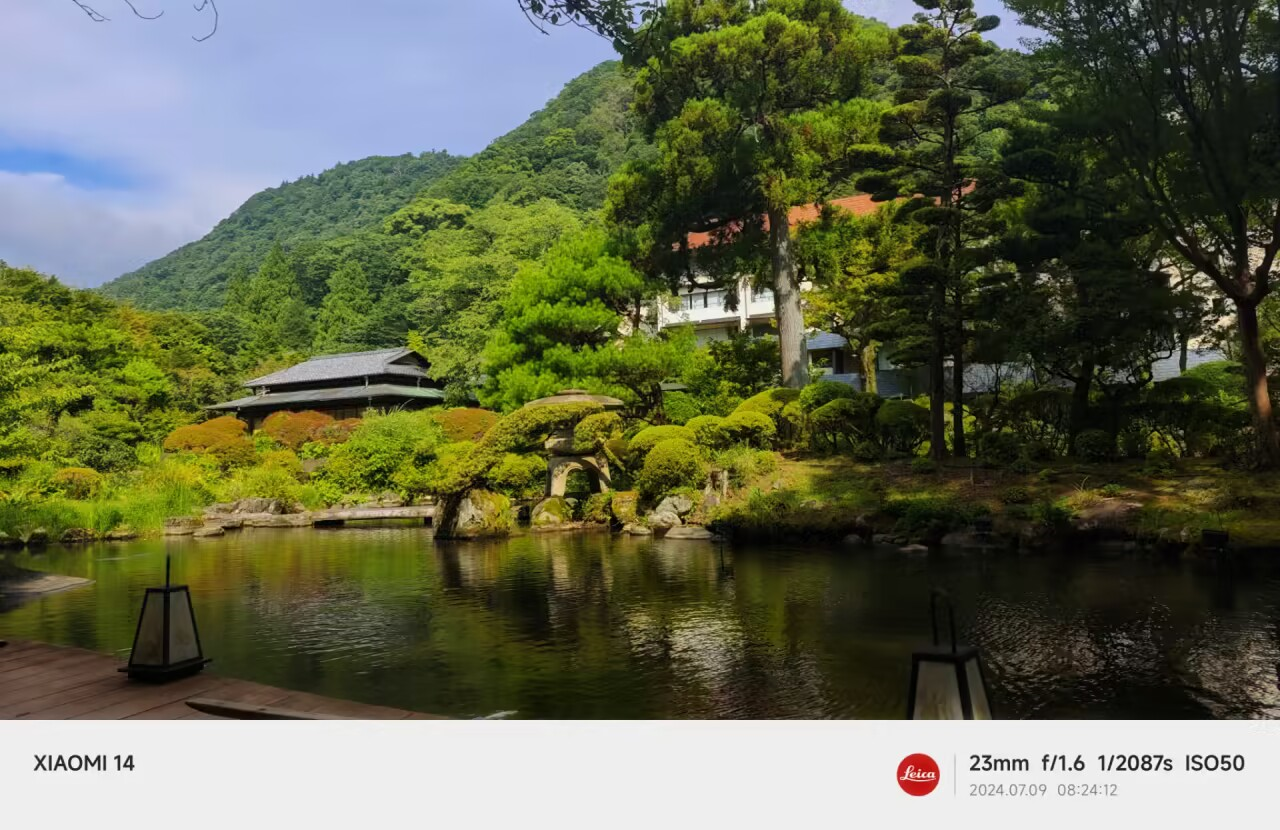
(43,682)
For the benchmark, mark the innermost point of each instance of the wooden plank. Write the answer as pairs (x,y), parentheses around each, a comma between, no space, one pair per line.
(18,651)
(134,696)
(70,667)
(52,694)
(248,711)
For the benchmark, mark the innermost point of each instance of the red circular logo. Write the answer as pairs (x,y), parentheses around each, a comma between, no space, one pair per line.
(918,774)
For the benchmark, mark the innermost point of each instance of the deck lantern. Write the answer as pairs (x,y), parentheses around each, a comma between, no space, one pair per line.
(167,642)
(947,682)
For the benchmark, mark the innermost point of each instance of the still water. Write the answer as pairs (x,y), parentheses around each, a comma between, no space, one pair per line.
(589,626)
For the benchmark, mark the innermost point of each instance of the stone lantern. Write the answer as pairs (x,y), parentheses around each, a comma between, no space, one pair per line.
(562,459)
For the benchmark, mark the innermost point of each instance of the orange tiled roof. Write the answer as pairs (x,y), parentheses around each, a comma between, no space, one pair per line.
(859,205)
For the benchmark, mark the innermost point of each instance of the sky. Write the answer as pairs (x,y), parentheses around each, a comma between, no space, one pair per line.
(122,140)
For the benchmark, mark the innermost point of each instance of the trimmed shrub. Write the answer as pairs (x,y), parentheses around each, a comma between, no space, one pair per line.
(753,429)
(1015,495)
(594,431)
(262,482)
(380,447)
(338,432)
(1094,445)
(774,404)
(671,464)
(293,429)
(464,423)
(646,439)
(708,431)
(77,482)
(820,393)
(868,451)
(286,460)
(203,436)
(519,476)
(903,425)
(680,407)
(924,466)
(999,448)
(233,452)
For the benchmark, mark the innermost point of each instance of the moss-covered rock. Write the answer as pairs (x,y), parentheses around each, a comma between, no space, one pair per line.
(551,513)
(475,514)
(598,508)
(625,506)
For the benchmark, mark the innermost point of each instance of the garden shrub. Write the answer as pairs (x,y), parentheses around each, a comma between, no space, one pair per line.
(1041,415)
(924,466)
(708,431)
(593,431)
(338,432)
(379,447)
(293,429)
(773,403)
(999,448)
(646,439)
(754,429)
(671,464)
(528,428)
(597,508)
(1095,445)
(77,482)
(903,425)
(286,460)
(926,512)
(744,464)
(261,482)
(519,476)
(680,407)
(1022,465)
(868,451)
(1113,491)
(465,423)
(822,392)
(200,437)
(233,452)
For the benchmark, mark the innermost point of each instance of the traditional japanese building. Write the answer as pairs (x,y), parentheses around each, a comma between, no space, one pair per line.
(340,385)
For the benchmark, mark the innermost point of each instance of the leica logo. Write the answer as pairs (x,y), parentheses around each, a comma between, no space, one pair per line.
(918,774)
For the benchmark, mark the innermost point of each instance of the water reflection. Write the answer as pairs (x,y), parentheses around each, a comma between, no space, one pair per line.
(591,626)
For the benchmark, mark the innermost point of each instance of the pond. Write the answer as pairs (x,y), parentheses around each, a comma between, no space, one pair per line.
(593,626)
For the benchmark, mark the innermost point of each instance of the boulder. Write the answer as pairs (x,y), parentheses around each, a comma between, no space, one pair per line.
(220,509)
(209,531)
(882,539)
(690,532)
(680,505)
(228,523)
(77,536)
(181,526)
(259,505)
(551,514)
(475,514)
(659,519)
(624,507)
(278,520)
(1108,515)
(637,530)
(853,540)
(913,549)
(38,538)
(124,533)
(8,542)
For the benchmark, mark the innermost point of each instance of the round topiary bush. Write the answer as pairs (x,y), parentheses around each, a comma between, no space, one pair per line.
(823,392)
(671,464)
(77,482)
(1015,495)
(903,425)
(753,429)
(1095,445)
(646,439)
(999,448)
(708,431)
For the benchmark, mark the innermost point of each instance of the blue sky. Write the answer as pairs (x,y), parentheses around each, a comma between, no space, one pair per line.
(120,141)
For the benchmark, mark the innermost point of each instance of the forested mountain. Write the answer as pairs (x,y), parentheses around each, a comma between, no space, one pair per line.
(347,198)
(564,153)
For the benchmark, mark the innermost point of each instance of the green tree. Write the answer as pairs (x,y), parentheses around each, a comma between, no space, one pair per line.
(755,107)
(345,310)
(271,301)
(1181,95)
(573,319)
(951,84)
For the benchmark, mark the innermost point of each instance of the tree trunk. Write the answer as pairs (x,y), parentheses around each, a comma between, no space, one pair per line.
(1255,372)
(1183,345)
(958,448)
(1079,405)
(868,356)
(937,380)
(786,298)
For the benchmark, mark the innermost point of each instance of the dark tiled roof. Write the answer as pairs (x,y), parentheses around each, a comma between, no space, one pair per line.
(356,394)
(826,340)
(342,366)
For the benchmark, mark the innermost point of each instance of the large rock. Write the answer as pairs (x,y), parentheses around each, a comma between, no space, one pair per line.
(38,538)
(1107,516)
(551,514)
(220,509)
(209,531)
(9,542)
(124,533)
(77,536)
(278,520)
(680,505)
(181,526)
(691,532)
(853,540)
(637,530)
(258,505)
(660,519)
(624,506)
(474,515)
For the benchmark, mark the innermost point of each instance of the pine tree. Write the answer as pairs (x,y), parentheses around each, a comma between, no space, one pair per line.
(345,310)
